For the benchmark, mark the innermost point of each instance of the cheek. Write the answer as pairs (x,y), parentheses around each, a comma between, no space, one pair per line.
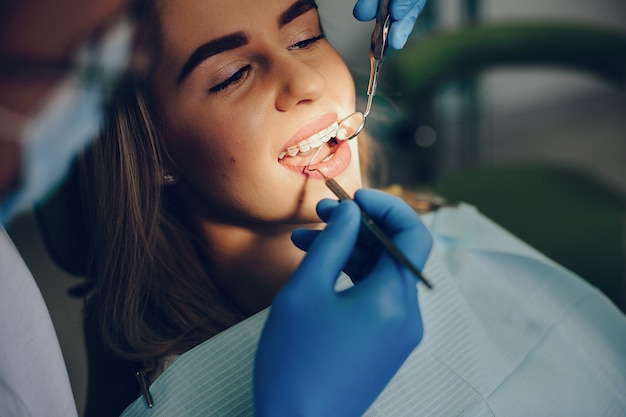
(215,133)
(194,155)
(213,157)
(339,79)
(212,143)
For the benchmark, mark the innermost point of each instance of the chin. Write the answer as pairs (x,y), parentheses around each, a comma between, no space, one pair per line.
(350,180)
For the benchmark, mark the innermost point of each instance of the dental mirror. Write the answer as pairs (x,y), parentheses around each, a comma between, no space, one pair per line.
(352,125)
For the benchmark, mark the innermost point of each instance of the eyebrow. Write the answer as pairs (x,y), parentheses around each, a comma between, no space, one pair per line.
(214,47)
(239,39)
(297,9)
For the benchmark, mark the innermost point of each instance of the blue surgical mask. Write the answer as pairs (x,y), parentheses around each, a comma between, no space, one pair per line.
(69,119)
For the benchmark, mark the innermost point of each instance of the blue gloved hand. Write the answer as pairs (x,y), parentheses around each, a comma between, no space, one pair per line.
(403,15)
(324,353)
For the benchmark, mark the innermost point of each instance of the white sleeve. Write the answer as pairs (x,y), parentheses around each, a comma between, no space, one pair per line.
(33,376)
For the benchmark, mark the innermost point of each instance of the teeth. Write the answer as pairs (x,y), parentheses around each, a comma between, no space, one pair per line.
(304,146)
(315,141)
(342,134)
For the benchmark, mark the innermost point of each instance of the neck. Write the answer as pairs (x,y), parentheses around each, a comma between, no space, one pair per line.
(251,265)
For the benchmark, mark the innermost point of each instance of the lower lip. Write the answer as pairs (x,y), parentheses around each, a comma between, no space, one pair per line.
(336,165)
(342,155)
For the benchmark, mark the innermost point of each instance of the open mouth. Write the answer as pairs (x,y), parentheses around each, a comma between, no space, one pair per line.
(301,154)
(312,157)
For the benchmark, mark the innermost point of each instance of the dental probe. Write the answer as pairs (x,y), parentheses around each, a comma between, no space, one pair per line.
(375,230)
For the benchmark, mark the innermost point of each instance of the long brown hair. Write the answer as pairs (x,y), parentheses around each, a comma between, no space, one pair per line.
(153,296)
(153,293)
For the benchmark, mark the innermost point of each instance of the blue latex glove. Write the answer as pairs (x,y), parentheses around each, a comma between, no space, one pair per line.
(403,15)
(324,353)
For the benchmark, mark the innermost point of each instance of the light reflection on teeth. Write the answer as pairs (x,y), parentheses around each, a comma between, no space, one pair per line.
(314,141)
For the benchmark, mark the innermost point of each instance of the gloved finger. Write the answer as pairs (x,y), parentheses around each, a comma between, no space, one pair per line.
(398,9)
(365,241)
(401,29)
(391,278)
(397,296)
(360,264)
(367,249)
(365,10)
(393,290)
(399,221)
(326,207)
(362,258)
(391,213)
(303,238)
(329,252)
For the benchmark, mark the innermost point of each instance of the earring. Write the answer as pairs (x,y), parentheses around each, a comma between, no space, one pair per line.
(169,179)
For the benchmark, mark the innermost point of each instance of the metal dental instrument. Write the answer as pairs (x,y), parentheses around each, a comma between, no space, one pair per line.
(378,51)
(374,229)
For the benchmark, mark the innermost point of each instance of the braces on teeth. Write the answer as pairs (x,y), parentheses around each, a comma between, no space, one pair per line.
(315,141)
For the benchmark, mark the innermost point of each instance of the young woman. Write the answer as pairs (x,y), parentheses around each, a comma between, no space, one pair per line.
(201,196)
(197,186)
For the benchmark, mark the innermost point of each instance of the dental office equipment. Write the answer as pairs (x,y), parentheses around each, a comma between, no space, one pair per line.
(375,230)
(378,51)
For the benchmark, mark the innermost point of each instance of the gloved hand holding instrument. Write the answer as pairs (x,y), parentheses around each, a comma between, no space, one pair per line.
(403,14)
(351,126)
(324,352)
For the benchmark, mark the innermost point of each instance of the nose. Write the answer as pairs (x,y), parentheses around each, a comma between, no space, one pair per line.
(298,83)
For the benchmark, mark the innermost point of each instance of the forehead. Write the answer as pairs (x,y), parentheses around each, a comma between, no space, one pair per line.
(182,19)
(187,24)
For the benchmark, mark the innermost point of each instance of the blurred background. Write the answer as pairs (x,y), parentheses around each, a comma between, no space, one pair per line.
(539,148)
(516,107)
(536,112)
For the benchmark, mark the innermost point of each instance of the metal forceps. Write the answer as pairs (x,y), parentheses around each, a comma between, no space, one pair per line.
(378,51)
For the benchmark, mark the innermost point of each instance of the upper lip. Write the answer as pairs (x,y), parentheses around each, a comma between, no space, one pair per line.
(309,129)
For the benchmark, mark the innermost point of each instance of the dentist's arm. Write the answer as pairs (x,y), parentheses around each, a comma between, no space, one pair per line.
(325,353)
(403,15)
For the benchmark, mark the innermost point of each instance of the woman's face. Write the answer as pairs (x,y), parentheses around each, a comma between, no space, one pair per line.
(237,84)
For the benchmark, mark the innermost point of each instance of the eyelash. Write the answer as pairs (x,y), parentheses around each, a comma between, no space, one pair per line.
(239,76)
(233,79)
(306,43)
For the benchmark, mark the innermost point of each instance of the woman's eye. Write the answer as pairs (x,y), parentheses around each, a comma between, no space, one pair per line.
(233,80)
(306,43)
